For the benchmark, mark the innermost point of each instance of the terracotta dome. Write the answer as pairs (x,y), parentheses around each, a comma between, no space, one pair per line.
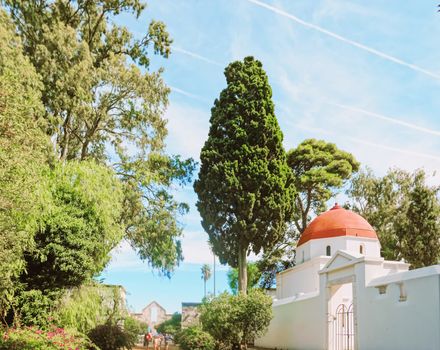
(337,222)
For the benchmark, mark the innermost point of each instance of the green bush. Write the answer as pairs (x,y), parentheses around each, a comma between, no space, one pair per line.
(134,327)
(235,320)
(171,326)
(35,307)
(111,337)
(194,338)
(31,338)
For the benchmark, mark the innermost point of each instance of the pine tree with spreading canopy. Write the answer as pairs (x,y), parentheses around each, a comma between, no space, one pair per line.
(245,187)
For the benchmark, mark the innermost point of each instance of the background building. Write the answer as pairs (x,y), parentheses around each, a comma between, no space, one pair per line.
(153,314)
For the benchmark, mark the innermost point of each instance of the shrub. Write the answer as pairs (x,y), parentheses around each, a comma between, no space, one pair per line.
(254,314)
(194,338)
(134,327)
(31,338)
(171,326)
(218,319)
(111,337)
(36,307)
(235,320)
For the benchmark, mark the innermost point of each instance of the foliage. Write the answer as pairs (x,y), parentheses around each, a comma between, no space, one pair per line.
(171,326)
(319,169)
(278,259)
(30,338)
(194,338)
(253,277)
(77,228)
(218,317)
(237,320)
(90,305)
(404,212)
(245,191)
(23,152)
(112,337)
(35,307)
(421,230)
(135,327)
(255,314)
(99,104)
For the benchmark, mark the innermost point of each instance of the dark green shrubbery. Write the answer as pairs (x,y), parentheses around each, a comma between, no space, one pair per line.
(112,337)
(194,338)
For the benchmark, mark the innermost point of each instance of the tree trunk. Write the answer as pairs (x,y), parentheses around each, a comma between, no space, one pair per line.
(204,280)
(242,270)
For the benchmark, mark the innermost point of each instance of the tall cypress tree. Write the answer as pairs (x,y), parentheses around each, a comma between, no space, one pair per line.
(245,188)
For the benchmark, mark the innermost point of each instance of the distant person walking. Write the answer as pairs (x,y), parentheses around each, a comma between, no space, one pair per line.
(167,338)
(147,339)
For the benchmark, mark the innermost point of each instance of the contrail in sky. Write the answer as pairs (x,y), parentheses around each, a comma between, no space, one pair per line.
(346,40)
(372,144)
(399,150)
(186,93)
(199,57)
(388,119)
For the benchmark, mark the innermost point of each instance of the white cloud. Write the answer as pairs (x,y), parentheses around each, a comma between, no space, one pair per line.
(187,129)
(196,248)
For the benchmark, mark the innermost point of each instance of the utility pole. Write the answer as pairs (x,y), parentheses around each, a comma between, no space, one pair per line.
(214,273)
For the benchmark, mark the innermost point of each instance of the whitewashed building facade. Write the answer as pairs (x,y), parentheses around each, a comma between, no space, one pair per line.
(343,295)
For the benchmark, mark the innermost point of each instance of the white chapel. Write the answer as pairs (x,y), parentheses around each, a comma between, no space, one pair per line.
(343,295)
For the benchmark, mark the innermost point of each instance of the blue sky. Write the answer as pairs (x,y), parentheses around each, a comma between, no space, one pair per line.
(364,75)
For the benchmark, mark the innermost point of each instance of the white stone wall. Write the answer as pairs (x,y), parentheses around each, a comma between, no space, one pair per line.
(296,325)
(303,278)
(406,316)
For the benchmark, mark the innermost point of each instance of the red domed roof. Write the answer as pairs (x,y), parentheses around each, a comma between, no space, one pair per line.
(337,222)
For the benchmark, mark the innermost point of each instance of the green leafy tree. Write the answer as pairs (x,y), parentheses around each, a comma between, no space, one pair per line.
(404,212)
(102,102)
(253,277)
(245,190)
(383,202)
(206,275)
(24,150)
(78,227)
(319,170)
(421,230)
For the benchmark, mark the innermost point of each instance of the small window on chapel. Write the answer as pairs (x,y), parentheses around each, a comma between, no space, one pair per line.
(328,251)
(361,249)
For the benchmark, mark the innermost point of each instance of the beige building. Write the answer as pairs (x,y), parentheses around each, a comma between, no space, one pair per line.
(153,314)
(190,314)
